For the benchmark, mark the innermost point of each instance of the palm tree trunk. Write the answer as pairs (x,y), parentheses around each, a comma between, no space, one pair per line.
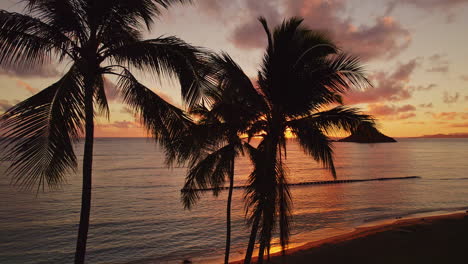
(87,173)
(253,235)
(261,252)
(228,213)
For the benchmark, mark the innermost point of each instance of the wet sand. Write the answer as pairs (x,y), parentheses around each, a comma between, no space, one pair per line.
(435,239)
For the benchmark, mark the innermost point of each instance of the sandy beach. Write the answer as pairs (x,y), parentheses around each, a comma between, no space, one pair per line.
(434,239)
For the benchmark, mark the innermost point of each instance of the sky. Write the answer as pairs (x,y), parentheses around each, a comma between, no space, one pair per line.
(415,53)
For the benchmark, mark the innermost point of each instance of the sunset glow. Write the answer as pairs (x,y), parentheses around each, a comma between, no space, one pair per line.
(419,72)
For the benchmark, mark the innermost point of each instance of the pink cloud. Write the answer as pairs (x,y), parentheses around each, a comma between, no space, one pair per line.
(250,33)
(450,115)
(388,87)
(27,87)
(383,38)
(392,112)
(110,88)
(405,116)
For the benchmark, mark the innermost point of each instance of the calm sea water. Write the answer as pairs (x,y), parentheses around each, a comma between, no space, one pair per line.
(137,216)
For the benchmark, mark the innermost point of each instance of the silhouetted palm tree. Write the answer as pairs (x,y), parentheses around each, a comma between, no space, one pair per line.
(302,74)
(96,38)
(213,143)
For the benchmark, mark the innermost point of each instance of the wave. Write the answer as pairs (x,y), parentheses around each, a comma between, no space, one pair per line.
(415,212)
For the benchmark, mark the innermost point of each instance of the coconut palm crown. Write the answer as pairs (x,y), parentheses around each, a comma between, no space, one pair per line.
(214,141)
(94,38)
(301,81)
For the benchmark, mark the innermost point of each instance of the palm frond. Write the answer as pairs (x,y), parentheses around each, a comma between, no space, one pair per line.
(164,121)
(211,171)
(194,142)
(100,97)
(284,207)
(233,94)
(66,16)
(135,13)
(267,32)
(315,144)
(38,133)
(335,119)
(26,41)
(168,57)
(344,72)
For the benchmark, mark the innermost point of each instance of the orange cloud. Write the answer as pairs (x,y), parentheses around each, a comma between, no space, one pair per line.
(121,129)
(26,86)
(391,112)
(450,115)
(458,125)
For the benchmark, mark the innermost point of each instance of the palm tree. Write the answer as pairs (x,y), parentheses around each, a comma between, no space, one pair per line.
(303,73)
(96,38)
(212,144)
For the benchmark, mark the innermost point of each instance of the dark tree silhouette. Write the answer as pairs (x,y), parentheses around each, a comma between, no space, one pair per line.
(96,38)
(212,144)
(302,74)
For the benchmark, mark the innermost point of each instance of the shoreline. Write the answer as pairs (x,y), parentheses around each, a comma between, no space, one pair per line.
(435,238)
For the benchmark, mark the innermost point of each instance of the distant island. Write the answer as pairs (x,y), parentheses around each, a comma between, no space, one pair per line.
(454,135)
(366,133)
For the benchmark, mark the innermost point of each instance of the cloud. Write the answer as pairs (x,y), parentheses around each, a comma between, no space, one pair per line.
(392,112)
(211,7)
(438,63)
(444,7)
(422,87)
(441,69)
(126,110)
(45,71)
(250,34)
(27,87)
(121,124)
(433,4)
(383,38)
(450,115)
(445,115)
(450,99)
(428,105)
(388,87)
(459,125)
(415,123)
(5,105)
(111,90)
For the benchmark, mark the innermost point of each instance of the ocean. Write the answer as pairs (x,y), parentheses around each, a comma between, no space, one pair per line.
(137,215)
